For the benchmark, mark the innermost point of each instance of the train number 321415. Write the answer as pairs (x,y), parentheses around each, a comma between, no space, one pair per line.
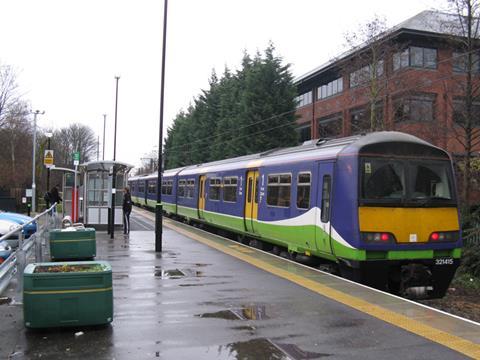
(445,261)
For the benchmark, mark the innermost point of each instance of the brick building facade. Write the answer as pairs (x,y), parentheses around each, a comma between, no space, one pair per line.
(422,77)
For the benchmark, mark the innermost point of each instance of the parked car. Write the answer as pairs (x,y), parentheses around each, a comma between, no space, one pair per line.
(5,251)
(21,219)
(7,226)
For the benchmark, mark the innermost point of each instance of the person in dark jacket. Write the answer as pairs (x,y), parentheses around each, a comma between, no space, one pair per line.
(127,209)
(55,196)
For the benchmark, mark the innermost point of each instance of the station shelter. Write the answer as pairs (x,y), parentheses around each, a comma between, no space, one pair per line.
(96,190)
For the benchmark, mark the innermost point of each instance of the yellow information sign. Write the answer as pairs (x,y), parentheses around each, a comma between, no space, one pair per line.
(48,158)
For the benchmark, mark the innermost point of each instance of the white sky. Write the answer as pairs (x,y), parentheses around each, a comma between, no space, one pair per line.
(67,52)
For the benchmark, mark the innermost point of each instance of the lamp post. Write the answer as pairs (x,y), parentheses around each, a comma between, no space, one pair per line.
(49,136)
(158,207)
(104,124)
(114,174)
(35,114)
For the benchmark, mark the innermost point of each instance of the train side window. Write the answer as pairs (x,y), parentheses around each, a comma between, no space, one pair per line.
(278,190)
(303,190)
(152,187)
(214,189)
(190,188)
(326,190)
(132,187)
(230,189)
(256,190)
(141,187)
(167,187)
(181,188)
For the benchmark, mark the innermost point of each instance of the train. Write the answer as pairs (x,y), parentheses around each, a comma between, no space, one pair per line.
(379,208)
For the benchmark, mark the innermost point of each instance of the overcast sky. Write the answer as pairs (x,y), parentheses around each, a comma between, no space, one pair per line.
(67,52)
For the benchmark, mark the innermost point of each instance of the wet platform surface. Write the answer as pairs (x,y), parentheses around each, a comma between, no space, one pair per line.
(205,297)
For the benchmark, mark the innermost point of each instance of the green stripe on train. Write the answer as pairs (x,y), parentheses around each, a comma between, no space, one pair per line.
(301,239)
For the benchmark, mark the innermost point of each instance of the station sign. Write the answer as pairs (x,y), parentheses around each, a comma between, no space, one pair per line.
(76,158)
(48,158)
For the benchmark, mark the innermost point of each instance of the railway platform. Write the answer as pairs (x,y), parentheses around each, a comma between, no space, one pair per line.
(206,297)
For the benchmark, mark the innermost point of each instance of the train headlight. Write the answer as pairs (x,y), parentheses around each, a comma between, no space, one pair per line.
(378,237)
(444,236)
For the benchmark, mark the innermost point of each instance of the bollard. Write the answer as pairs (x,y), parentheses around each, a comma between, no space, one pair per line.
(20,268)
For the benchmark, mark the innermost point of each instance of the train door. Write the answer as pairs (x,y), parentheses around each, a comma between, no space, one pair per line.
(324,201)
(251,200)
(145,187)
(201,197)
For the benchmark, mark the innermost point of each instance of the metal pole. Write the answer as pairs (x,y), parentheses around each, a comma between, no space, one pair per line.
(158,207)
(114,175)
(21,261)
(33,157)
(104,124)
(48,175)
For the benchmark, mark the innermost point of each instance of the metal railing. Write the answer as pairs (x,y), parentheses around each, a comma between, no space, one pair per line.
(18,260)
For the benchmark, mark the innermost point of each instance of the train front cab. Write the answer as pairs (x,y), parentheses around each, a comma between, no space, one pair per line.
(400,217)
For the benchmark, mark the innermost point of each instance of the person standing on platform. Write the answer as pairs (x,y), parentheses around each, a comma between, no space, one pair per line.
(127,209)
(55,197)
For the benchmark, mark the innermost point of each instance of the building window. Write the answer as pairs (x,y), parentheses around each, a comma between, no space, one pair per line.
(460,62)
(278,190)
(330,89)
(415,56)
(182,184)
(418,108)
(304,132)
(304,99)
(152,187)
(459,112)
(230,189)
(303,190)
(360,119)
(214,189)
(190,188)
(366,74)
(167,187)
(330,126)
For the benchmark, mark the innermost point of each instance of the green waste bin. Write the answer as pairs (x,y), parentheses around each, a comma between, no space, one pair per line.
(72,244)
(76,293)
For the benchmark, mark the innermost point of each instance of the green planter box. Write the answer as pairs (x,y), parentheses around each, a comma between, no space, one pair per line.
(72,245)
(76,293)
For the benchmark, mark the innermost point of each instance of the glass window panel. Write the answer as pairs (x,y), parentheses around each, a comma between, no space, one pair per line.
(325,216)
(416,56)
(430,58)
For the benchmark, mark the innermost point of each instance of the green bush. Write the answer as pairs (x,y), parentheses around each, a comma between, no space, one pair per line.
(471,260)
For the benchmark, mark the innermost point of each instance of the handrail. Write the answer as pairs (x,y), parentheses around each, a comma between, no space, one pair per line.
(20,227)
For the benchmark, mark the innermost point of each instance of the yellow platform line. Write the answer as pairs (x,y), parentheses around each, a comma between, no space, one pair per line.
(446,339)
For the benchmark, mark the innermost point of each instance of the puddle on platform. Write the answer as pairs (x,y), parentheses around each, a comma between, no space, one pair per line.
(176,273)
(267,349)
(5,300)
(244,313)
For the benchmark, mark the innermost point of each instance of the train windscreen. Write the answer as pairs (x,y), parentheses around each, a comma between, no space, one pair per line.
(406,182)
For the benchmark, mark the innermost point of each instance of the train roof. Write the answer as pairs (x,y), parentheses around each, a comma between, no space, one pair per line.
(318,149)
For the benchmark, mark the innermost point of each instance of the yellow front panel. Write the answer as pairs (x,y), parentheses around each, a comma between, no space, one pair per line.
(408,223)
